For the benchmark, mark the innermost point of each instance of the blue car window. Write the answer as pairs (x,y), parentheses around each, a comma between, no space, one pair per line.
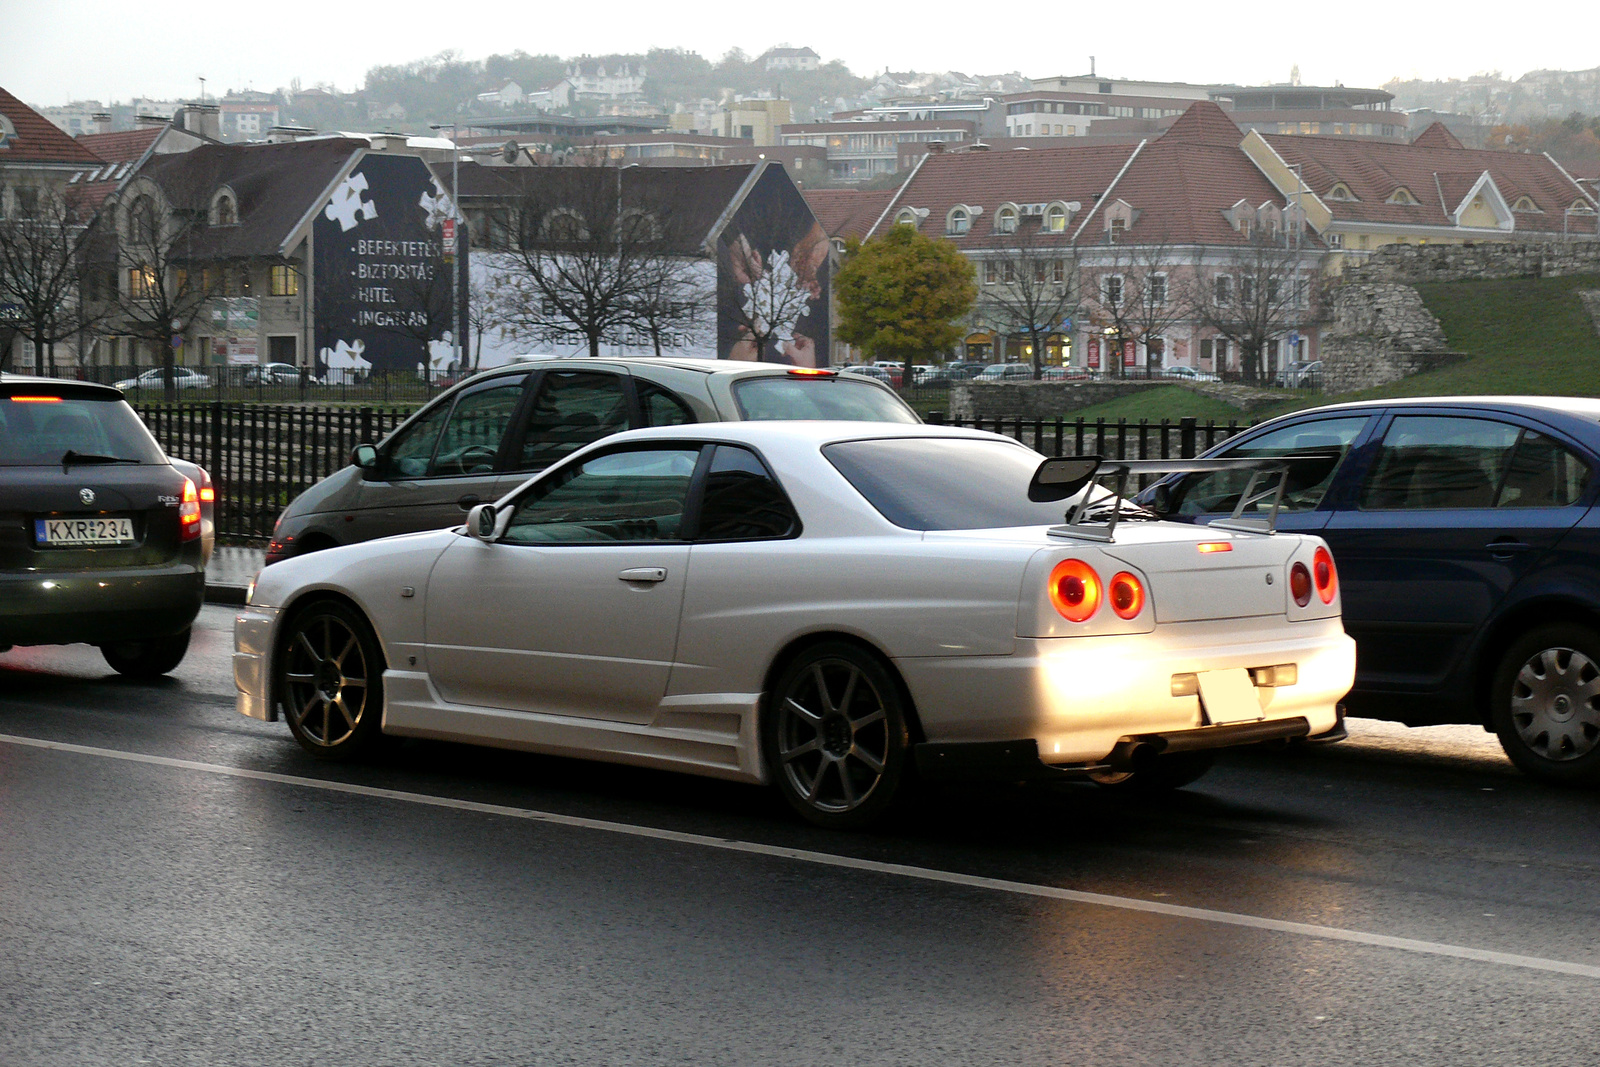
(1431,462)
(637,495)
(1542,475)
(1210,493)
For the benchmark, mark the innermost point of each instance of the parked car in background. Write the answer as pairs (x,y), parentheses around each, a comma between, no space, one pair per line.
(1191,374)
(882,374)
(1005,372)
(820,606)
(478,439)
(182,378)
(272,374)
(960,371)
(1300,374)
(103,538)
(1468,546)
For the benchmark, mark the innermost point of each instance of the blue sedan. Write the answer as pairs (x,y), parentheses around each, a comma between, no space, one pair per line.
(1468,549)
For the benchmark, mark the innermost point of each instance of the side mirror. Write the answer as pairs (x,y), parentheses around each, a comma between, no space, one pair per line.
(365,457)
(481,522)
(1058,479)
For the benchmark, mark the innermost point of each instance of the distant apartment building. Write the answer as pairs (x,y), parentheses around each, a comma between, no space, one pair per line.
(508,94)
(594,80)
(247,116)
(1048,113)
(858,151)
(785,58)
(79,117)
(987,114)
(754,120)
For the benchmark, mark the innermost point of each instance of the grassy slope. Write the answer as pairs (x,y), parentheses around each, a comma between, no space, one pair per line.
(1163,402)
(1521,335)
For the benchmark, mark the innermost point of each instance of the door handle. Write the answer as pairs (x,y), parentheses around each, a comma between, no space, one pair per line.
(1506,548)
(644,574)
(467,502)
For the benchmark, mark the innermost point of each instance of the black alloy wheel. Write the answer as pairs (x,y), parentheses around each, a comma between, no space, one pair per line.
(835,736)
(147,659)
(329,676)
(1545,703)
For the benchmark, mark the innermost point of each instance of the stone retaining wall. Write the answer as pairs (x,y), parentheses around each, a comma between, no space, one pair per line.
(1379,332)
(1035,400)
(1493,259)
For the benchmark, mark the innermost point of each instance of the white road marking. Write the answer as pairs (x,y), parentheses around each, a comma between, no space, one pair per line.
(826,859)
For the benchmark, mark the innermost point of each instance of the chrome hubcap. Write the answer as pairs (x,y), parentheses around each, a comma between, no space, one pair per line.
(1555,704)
(833,736)
(325,691)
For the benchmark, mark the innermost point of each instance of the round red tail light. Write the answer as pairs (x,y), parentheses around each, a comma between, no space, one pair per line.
(1326,577)
(1127,595)
(1075,590)
(1300,584)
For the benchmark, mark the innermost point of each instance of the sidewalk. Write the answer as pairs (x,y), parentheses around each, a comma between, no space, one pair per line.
(230,572)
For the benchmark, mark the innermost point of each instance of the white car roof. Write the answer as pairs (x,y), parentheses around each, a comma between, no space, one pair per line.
(784,433)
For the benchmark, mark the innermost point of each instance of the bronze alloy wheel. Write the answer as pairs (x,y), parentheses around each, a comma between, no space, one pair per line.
(330,678)
(836,736)
(1547,703)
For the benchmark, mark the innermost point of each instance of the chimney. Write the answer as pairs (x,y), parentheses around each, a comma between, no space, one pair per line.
(388,141)
(203,119)
(102,121)
(935,147)
(145,122)
(286,134)
(977,146)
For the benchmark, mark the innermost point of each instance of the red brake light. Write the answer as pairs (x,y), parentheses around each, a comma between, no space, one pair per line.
(35,399)
(1075,590)
(1127,595)
(1300,584)
(812,372)
(208,495)
(1215,546)
(1326,577)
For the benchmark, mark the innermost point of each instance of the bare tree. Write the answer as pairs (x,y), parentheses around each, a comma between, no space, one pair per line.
(1030,285)
(587,254)
(165,273)
(1253,294)
(772,297)
(673,294)
(44,271)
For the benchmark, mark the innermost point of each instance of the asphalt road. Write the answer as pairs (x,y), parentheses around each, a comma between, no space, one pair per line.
(180,885)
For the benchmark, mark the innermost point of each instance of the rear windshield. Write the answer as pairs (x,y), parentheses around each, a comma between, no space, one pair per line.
(41,431)
(925,483)
(764,399)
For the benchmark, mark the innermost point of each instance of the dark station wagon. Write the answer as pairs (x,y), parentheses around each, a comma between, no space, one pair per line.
(103,538)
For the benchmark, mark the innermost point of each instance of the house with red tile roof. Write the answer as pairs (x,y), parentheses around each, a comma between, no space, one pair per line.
(35,156)
(1362,195)
(1132,230)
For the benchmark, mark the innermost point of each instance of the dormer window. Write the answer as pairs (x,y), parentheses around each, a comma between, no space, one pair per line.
(1055,219)
(906,217)
(1341,192)
(1116,228)
(224,209)
(958,222)
(1005,220)
(1402,195)
(1581,207)
(1525,204)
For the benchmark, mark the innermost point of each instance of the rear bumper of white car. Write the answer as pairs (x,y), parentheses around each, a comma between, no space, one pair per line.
(1078,698)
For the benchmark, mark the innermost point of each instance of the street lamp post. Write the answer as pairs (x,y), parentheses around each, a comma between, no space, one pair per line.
(455,271)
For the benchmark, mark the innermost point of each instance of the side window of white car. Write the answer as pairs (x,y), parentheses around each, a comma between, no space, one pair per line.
(1325,439)
(631,496)
(743,501)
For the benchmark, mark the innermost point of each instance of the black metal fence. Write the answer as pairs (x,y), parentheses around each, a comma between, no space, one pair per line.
(272,383)
(261,456)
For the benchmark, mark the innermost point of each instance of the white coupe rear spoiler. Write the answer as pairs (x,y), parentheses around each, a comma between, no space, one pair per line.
(1058,479)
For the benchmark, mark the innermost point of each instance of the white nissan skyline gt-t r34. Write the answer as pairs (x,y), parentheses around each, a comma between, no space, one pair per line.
(832,608)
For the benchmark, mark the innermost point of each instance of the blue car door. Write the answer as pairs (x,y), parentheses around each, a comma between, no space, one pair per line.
(1451,510)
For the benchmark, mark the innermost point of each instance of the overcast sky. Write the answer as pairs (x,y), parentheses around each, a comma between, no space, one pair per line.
(53,51)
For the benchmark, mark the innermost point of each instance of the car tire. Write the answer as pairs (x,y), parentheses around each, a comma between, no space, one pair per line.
(1545,703)
(328,680)
(835,736)
(1161,774)
(147,659)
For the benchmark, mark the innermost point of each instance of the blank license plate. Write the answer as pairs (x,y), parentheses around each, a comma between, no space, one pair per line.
(1229,696)
(68,532)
